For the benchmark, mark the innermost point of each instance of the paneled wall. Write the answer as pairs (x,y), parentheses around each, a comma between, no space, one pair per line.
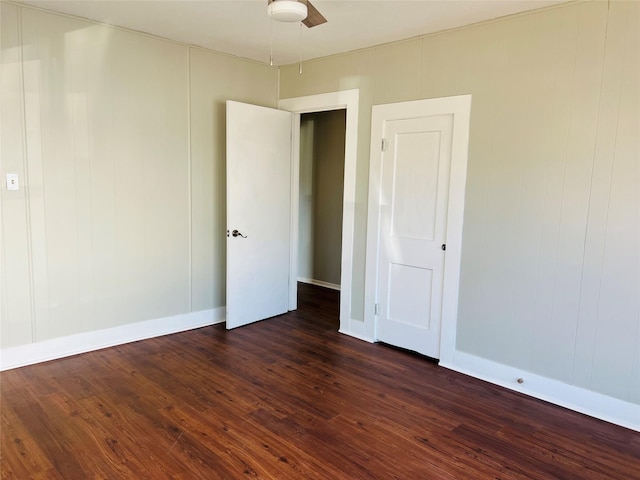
(215,79)
(118,141)
(551,244)
(16,327)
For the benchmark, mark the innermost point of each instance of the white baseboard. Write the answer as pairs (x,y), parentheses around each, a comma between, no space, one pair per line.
(46,350)
(356,329)
(579,399)
(356,335)
(319,283)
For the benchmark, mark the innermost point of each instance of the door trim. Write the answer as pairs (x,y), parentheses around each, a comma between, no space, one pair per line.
(343,100)
(460,107)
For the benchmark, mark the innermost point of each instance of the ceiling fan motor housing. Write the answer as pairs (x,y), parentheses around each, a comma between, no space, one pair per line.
(287,10)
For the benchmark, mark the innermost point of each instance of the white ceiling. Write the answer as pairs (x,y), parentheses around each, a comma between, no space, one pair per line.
(242,27)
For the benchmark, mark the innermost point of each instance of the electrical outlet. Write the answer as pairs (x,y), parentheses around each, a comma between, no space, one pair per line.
(12,181)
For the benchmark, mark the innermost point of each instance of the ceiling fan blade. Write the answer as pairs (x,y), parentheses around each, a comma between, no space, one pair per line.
(314,17)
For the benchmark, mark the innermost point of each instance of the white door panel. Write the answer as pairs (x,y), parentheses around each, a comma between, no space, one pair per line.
(258,206)
(413,210)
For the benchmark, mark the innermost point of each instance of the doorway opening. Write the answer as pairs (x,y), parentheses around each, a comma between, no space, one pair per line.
(347,100)
(321,193)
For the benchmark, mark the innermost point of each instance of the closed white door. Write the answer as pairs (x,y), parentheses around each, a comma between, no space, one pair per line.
(414,188)
(258,212)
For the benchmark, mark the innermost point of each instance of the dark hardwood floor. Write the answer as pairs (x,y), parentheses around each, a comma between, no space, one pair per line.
(288,398)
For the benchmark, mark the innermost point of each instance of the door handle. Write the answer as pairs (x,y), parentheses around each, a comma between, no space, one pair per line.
(236,233)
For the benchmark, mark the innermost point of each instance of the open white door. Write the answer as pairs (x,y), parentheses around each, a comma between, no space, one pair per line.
(258,212)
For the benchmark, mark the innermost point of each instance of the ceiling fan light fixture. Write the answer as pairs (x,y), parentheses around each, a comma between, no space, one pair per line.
(287,10)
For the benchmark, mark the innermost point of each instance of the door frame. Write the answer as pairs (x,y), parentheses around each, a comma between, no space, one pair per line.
(342,100)
(460,107)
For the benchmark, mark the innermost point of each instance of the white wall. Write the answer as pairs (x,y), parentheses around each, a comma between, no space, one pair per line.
(117,138)
(550,268)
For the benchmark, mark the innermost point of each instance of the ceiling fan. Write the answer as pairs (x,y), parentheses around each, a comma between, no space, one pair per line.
(295,11)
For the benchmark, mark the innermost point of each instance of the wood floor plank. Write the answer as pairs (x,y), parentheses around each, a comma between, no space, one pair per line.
(138,445)
(288,398)
(27,459)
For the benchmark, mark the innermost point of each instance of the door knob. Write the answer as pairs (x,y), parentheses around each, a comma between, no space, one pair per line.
(236,233)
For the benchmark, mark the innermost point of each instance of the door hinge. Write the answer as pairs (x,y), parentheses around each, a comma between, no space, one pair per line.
(383,145)
(376,309)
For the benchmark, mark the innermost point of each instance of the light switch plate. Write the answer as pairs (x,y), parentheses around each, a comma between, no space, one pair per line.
(12,181)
